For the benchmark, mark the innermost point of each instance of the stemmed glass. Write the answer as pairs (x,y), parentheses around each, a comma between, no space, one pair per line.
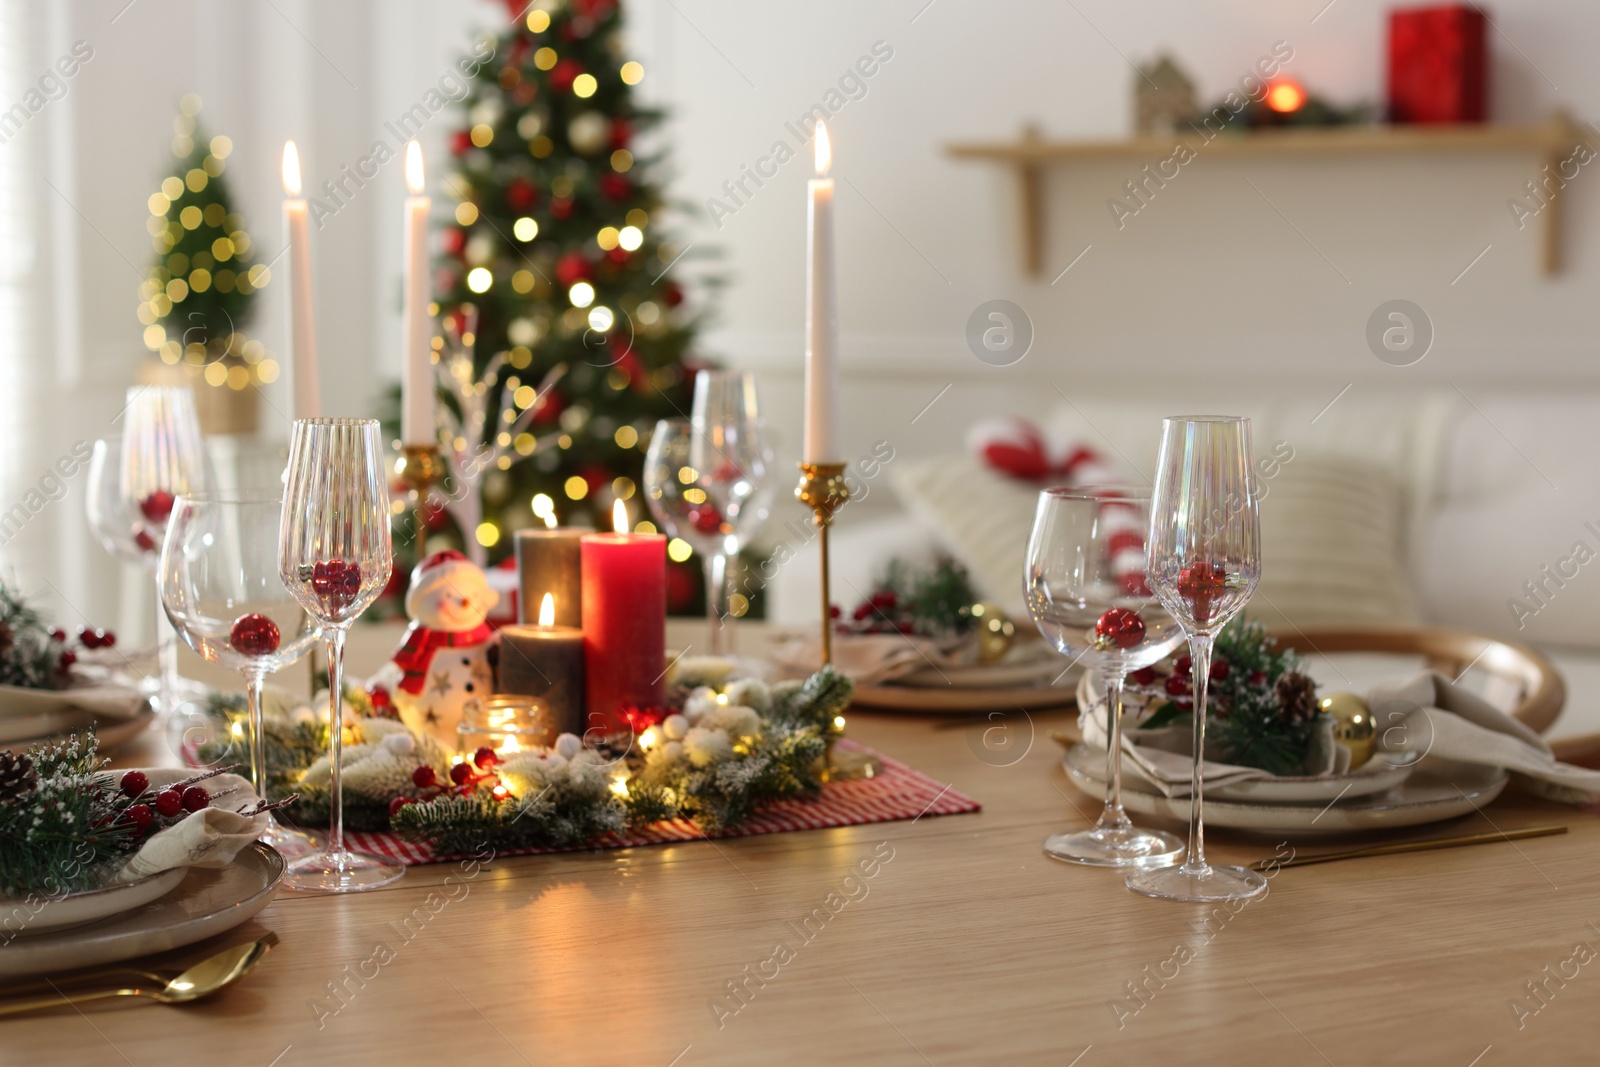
(220,587)
(134,482)
(708,480)
(335,557)
(1205,561)
(1085,588)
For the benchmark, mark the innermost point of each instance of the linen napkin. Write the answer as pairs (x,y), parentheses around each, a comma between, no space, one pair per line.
(1425,716)
(210,837)
(100,700)
(872,659)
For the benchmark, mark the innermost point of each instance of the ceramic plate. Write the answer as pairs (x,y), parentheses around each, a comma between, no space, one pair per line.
(1029,664)
(92,906)
(110,732)
(958,699)
(1285,789)
(1434,791)
(203,904)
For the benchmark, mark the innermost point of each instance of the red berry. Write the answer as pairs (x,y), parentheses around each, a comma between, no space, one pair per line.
(833,611)
(89,636)
(1175,685)
(1258,678)
(1219,670)
(460,773)
(134,783)
(195,798)
(397,803)
(140,816)
(58,635)
(380,697)
(68,658)
(1143,676)
(108,639)
(254,635)
(157,506)
(1183,665)
(486,757)
(169,802)
(142,538)
(1121,626)
(423,777)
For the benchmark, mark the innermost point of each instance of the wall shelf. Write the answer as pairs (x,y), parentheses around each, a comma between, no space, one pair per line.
(1550,142)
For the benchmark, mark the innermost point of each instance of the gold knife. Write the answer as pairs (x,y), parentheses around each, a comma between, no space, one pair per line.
(1409,846)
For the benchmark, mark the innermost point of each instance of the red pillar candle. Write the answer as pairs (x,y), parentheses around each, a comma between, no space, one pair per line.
(624,623)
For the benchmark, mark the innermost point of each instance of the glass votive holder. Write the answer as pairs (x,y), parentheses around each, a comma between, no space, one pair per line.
(507,723)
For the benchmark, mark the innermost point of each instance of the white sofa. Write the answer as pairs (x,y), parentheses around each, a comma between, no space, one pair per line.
(1499,505)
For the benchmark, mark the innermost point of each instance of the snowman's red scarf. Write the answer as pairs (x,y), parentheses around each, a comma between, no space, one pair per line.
(415,654)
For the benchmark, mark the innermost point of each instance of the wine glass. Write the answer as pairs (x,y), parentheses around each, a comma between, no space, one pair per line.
(708,480)
(1086,591)
(1205,561)
(134,481)
(335,557)
(220,587)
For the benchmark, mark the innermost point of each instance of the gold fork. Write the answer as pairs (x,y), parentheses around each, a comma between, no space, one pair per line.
(202,979)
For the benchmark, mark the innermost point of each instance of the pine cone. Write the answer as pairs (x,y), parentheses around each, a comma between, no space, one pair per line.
(1296,696)
(18,777)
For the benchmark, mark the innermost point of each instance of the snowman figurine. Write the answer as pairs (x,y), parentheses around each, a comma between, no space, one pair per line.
(443,661)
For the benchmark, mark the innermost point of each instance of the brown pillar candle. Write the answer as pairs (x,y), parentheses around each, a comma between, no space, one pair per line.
(550,561)
(545,662)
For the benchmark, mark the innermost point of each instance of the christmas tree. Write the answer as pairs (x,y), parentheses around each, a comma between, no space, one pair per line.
(197,296)
(556,239)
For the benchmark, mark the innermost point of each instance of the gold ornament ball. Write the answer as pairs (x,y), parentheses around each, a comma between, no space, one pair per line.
(996,632)
(1353,725)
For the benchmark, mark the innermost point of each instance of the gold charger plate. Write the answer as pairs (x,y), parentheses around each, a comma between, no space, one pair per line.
(206,903)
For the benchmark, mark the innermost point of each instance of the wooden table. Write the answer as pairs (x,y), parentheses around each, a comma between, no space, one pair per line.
(967,945)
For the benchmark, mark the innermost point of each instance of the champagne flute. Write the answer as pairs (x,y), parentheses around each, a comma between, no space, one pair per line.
(1205,561)
(335,557)
(220,587)
(1086,590)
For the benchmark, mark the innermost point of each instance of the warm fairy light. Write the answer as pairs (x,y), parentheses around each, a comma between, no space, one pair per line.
(545,507)
(547,611)
(509,747)
(500,792)
(414,180)
(650,738)
(619,786)
(838,722)
(1285,96)
(824,150)
(549,520)
(619,517)
(479,279)
(236,729)
(291,169)
(581,294)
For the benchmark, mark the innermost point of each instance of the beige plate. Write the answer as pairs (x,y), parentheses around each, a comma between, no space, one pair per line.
(110,732)
(205,903)
(1434,792)
(77,909)
(957,699)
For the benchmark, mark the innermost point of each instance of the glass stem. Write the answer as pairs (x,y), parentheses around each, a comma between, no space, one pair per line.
(1113,818)
(258,737)
(716,570)
(1200,672)
(335,739)
(166,659)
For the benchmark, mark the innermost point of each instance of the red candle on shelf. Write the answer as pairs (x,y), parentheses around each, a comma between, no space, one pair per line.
(624,622)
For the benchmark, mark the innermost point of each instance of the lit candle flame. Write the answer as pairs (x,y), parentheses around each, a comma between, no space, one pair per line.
(619,517)
(509,746)
(414,168)
(291,169)
(547,611)
(550,520)
(823,149)
(648,739)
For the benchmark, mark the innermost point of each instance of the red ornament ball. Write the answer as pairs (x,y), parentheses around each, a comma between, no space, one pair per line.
(573,268)
(672,293)
(381,700)
(1201,584)
(195,798)
(486,757)
(460,142)
(706,518)
(336,580)
(1122,627)
(142,538)
(169,802)
(614,186)
(134,783)
(560,207)
(521,194)
(454,241)
(621,133)
(157,506)
(618,255)
(460,774)
(424,777)
(564,73)
(139,816)
(254,635)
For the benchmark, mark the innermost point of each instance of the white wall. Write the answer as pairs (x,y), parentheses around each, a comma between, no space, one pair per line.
(1210,281)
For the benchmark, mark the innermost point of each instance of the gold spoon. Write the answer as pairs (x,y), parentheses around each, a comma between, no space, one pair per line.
(202,979)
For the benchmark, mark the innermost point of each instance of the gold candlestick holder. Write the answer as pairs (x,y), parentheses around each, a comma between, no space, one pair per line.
(823,489)
(420,467)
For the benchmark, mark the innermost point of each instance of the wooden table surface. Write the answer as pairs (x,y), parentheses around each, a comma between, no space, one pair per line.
(965,945)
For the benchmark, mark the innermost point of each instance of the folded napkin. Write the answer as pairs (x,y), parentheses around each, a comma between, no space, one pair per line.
(1425,717)
(210,837)
(872,659)
(100,700)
